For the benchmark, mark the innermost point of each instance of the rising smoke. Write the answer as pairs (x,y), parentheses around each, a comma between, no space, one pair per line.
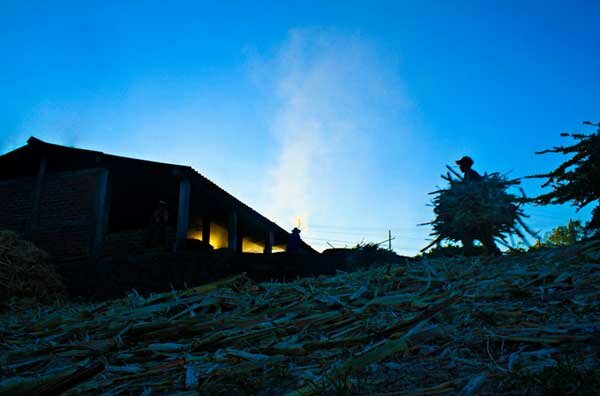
(332,92)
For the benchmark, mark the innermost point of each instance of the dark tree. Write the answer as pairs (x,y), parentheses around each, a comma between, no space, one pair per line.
(577,180)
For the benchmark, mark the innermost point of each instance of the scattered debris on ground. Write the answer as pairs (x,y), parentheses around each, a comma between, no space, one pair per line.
(527,323)
(26,273)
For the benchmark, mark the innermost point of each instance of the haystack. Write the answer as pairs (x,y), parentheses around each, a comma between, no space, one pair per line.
(26,272)
(477,208)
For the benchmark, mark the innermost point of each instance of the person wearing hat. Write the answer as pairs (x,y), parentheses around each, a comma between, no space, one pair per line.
(465,164)
(157,230)
(293,244)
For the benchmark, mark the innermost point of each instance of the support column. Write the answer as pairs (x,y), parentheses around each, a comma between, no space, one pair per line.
(37,194)
(101,211)
(239,245)
(232,231)
(269,241)
(183,214)
(206,229)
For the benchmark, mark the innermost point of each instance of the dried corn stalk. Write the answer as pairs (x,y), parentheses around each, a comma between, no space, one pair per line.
(469,209)
(441,326)
(26,271)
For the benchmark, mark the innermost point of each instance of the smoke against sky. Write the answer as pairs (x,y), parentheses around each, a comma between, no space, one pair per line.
(332,94)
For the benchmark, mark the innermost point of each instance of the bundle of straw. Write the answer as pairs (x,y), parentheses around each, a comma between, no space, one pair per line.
(26,271)
(474,209)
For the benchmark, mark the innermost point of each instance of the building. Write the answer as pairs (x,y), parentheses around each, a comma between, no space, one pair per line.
(78,204)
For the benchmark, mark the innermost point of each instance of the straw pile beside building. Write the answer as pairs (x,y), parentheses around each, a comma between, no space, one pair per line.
(515,324)
(26,273)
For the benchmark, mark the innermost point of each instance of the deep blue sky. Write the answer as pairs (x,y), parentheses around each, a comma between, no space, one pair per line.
(343,114)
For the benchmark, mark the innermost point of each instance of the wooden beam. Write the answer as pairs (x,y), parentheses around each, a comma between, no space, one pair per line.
(269,241)
(37,194)
(239,245)
(232,230)
(100,211)
(206,229)
(183,214)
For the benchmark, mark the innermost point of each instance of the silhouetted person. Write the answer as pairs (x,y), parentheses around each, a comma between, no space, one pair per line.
(157,230)
(465,164)
(485,237)
(293,244)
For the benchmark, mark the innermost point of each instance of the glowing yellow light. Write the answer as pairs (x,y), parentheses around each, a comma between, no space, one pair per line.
(219,238)
(195,234)
(279,248)
(249,246)
(299,222)
(218,235)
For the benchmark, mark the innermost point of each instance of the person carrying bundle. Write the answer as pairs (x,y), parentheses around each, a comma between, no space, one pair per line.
(476,207)
(487,240)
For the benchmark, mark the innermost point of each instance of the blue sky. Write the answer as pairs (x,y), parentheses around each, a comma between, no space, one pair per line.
(341,114)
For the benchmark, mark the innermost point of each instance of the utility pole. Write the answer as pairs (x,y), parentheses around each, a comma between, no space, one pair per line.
(389,266)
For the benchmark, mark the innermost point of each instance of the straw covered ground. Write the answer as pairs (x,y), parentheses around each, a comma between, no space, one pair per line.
(520,324)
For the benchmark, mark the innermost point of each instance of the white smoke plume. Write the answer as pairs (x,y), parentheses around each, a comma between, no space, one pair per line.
(331,94)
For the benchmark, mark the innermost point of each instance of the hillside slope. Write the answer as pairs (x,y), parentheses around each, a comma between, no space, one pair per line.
(526,323)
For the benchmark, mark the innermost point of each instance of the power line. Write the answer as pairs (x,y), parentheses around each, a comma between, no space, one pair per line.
(363,235)
(327,239)
(323,241)
(414,237)
(384,228)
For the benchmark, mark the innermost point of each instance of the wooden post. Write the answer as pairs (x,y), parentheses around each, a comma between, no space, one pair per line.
(269,241)
(389,266)
(183,214)
(206,229)
(232,230)
(101,211)
(239,245)
(37,194)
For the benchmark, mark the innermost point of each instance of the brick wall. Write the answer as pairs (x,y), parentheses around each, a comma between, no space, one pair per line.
(66,214)
(66,211)
(16,201)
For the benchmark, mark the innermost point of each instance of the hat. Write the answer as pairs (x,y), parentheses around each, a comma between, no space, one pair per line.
(467,161)
(296,230)
(163,203)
